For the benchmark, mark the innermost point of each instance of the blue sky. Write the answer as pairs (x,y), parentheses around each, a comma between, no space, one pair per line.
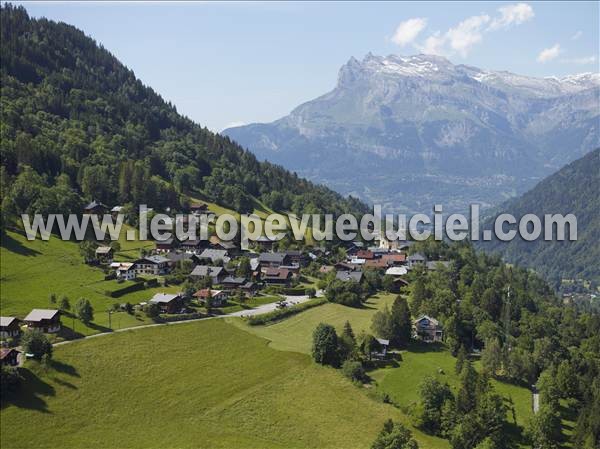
(231,63)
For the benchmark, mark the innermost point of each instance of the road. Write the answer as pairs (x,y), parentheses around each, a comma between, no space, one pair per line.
(265,308)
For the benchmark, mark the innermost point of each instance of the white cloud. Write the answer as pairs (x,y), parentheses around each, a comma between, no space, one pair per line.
(434,45)
(515,14)
(577,35)
(408,30)
(466,34)
(581,61)
(548,54)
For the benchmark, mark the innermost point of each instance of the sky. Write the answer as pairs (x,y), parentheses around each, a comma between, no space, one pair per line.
(226,64)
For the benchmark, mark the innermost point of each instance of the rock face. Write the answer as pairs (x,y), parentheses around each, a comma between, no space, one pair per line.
(407,132)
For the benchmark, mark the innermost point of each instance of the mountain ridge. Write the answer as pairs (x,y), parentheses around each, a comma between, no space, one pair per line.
(478,136)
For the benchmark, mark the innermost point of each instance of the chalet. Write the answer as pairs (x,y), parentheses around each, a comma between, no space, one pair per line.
(153,265)
(416,259)
(176,257)
(116,211)
(164,246)
(296,257)
(95,208)
(249,288)
(273,260)
(104,254)
(427,329)
(353,247)
(198,208)
(124,270)
(215,273)
(383,348)
(365,254)
(396,271)
(9,327)
(9,357)
(46,320)
(349,276)
(377,264)
(264,242)
(279,276)
(394,259)
(193,246)
(214,255)
(219,297)
(433,265)
(233,283)
(168,302)
(346,266)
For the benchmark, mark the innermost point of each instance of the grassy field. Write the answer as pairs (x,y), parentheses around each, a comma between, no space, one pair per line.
(295,333)
(205,384)
(31,270)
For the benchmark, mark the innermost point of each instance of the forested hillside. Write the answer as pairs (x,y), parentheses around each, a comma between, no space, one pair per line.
(77,124)
(572,190)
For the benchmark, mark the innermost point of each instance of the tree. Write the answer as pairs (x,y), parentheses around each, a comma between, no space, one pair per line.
(545,428)
(64,304)
(394,436)
(152,310)
(9,379)
(84,310)
(35,342)
(348,293)
(367,345)
(325,345)
(466,397)
(347,343)
(491,356)
(52,299)
(87,249)
(243,269)
(461,358)
(387,283)
(401,322)
(382,324)
(433,396)
(354,370)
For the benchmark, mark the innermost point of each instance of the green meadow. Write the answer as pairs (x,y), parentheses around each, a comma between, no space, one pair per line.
(205,385)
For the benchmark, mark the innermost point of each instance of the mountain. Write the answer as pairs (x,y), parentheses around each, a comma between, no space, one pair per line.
(572,190)
(407,132)
(77,124)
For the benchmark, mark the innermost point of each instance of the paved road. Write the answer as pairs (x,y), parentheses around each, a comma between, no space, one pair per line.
(265,308)
(536,402)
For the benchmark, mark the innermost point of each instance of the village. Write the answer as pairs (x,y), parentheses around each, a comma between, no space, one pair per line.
(215,274)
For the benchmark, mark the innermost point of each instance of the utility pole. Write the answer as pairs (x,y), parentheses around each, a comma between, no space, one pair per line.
(507,319)
(109,319)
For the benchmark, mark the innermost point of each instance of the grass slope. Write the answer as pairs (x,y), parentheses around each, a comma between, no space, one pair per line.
(204,385)
(295,333)
(31,270)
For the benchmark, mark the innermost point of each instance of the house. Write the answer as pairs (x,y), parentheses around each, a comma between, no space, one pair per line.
(349,276)
(296,257)
(216,273)
(213,255)
(153,265)
(47,320)
(345,266)
(219,297)
(394,259)
(264,242)
(168,302)
(353,247)
(9,327)
(364,254)
(116,211)
(249,288)
(9,357)
(164,246)
(198,208)
(416,259)
(273,260)
(193,246)
(396,271)
(95,207)
(124,270)
(233,283)
(427,329)
(104,254)
(278,276)
(383,348)
(176,257)
(377,264)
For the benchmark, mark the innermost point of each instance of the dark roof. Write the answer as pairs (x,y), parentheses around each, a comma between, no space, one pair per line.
(206,270)
(272,257)
(349,276)
(165,242)
(233,280)
(277,273)
(214,254)
(94,204)
(176,257)
(417,257)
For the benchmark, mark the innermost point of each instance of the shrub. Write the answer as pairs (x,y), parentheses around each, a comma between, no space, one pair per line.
(35,342)
(280,314)
(354,371)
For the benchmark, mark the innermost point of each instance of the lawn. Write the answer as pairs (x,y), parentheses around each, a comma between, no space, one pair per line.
(205,384)
(295,333)
(31,270)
